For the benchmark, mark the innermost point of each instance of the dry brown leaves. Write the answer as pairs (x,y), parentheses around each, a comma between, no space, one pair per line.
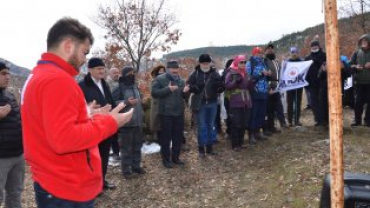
(284,172)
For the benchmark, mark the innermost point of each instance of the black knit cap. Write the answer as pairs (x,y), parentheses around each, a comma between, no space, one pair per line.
(270,45)
(126,70)
(205,58)
(3,66)
(315,43)
(95,62)
(173,64)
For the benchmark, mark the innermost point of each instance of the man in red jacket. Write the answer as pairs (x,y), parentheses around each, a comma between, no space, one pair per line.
(61,133)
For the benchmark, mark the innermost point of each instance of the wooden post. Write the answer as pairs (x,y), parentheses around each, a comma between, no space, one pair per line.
(335,104)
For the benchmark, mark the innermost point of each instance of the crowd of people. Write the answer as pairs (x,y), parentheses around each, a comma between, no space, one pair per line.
(68,129)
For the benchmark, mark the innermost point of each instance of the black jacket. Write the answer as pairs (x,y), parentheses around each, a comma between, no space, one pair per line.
(318,59)
(197,82)
(10,127)
(92,92)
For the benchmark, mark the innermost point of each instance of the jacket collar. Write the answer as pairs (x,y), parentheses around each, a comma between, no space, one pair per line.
(61,63)
(89,81)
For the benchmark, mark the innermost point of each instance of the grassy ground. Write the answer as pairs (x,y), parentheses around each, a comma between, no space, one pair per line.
(285,171)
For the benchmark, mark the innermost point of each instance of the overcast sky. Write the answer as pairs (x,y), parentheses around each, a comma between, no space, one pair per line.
(25,23)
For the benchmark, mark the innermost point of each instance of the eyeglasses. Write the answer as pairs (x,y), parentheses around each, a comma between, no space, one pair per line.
(242,62)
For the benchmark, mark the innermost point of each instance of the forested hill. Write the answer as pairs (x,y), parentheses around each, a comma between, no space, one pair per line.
(349,30)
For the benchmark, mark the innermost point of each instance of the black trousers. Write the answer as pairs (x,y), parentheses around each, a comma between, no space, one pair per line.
(315,104)
(115,144)
(294,100)
(362,98)
(131,142)
(104,149)
(274,109)
(349,98)
(172,131)
(324,103)
(239,118)
(218,119)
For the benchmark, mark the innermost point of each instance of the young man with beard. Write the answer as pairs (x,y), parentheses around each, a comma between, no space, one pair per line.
(274,104)
(170,90)
(360,63)
(319,58)
(206,84)
(131,138)
(11,148)
(60,132)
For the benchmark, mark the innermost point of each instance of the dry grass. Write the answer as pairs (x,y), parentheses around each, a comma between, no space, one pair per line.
(285,171)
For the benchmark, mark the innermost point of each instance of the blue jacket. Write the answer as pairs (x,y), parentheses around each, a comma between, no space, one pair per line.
(255,66)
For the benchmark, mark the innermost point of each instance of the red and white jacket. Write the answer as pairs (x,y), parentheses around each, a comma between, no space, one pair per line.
(60,140)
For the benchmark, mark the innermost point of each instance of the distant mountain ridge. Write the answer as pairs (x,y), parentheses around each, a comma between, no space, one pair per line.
(349,32)
(15,69)
(216,51)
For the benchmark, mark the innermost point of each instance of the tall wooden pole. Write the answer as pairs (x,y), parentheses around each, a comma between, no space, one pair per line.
(335,104)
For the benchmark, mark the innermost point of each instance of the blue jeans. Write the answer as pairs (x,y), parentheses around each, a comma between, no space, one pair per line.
(258,114)
(45,200)
(206,124)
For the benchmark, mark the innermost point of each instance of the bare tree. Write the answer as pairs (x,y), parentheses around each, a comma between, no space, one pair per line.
(357,9)
(136,28)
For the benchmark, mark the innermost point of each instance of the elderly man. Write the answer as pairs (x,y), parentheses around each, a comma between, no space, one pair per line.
(112,79)
(113,83)
(96,89)
(169,89)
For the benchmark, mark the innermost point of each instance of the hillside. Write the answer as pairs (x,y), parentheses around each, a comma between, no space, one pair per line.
(225,51)
(16,70)
(348,29)
(18,77)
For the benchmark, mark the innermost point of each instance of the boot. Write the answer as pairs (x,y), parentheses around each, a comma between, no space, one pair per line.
(356,122)
(167,164)
(127,173)
(209,150)
(202,153)
(252,139)
(138,170)
(259,136)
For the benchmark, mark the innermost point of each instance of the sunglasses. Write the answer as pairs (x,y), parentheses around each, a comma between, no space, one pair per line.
(242,62)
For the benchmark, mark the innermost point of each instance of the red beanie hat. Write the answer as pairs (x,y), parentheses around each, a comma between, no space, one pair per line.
(256,50)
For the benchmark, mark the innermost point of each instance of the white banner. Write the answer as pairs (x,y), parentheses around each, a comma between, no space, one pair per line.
(348,83)
(293,75)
